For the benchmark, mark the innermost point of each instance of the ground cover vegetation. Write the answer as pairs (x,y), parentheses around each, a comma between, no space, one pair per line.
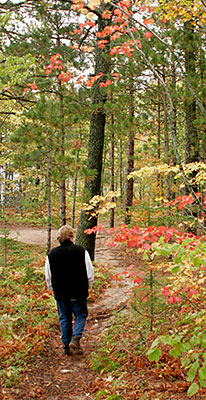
(167,315)
(101,97)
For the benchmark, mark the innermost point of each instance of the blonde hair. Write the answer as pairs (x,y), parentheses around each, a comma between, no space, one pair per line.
(64,233)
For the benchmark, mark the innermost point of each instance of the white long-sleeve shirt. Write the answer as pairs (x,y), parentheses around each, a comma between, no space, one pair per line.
(89,268)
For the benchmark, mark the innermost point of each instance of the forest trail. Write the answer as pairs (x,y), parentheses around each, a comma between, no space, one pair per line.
(54,376)
(38,236)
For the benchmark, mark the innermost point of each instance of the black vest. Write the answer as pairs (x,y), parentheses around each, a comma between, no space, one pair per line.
(68,271)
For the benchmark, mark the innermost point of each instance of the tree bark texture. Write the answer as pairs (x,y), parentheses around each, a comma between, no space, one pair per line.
(130,159)
(75,188)
(191,134)
(62,172)
(166,146)
(121,173)
(95,147)
(48,184)
(112,170)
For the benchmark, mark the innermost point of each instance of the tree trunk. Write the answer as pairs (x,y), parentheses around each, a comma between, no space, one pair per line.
(191,134)
(203,86)
(159,178)
(130,160)
(95,148)
(62,171)
(166,147)
(48,184)
(121,173)
(75,188)
(112,170)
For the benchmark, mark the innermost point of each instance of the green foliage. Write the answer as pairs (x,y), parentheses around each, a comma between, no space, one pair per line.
(15,70)
(101,362)
(27,310)
(100,394)
(102,281)
(187,342)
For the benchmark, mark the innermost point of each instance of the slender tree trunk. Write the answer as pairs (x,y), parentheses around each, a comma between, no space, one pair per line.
(191,134)
(159,178)
(166,147)
(130,159)
(95,148)
(48,184)
(62,171)
(203,146)
(203,86)
(121,173)
(112,170)
(174,88)
(62,184)
(75,188)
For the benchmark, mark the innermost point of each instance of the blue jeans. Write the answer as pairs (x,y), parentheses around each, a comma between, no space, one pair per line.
(66,309)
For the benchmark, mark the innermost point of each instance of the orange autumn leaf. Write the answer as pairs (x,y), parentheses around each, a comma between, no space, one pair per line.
(105,84)
(148,34)
(106,14)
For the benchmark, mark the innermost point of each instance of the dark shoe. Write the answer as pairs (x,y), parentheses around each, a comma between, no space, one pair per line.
(66,350)
(75,346)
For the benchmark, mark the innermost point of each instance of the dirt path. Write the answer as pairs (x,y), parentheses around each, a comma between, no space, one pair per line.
(56,377)
(38,236)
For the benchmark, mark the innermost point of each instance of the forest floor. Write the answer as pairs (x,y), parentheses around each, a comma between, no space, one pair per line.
(58,377)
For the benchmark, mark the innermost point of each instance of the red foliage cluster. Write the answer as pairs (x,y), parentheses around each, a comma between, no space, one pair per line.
(143,239)
(55,64)
(182,201)
(32,86)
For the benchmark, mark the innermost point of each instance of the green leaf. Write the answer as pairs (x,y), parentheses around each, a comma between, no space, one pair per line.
(175,268)
(193,389)
(192,371)
(165,252)
(155,343)
(195,340)
(166,339)
(145,256)
(154,354)
(197,261)
(175,352)
(203,341)
(202,376)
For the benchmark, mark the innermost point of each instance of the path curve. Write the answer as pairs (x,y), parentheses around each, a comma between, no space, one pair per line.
(38,236)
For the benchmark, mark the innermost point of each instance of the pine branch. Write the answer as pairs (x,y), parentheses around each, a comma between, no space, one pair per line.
(7,112)
(15,97)
(203,2)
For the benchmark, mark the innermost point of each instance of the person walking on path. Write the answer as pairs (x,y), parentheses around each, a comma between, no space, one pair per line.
(69,273)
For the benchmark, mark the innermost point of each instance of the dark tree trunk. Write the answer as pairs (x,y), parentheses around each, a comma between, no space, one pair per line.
(112,170)
(121,173)
(48,185)
(203,86)
(75,188)
(62,171)
(95,148)
(166,147)
(130,160)
(159,177)
(191,134)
